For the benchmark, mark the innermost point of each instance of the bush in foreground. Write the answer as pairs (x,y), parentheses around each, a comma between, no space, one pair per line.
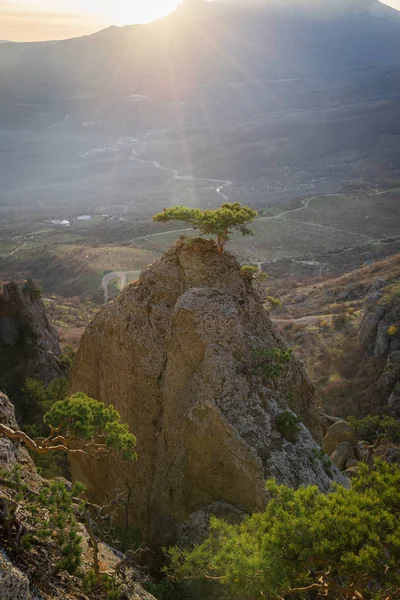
(342,545)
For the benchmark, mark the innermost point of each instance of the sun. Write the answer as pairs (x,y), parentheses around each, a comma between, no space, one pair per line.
(125,12)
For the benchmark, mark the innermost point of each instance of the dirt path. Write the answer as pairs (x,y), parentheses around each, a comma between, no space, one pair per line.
(15,250)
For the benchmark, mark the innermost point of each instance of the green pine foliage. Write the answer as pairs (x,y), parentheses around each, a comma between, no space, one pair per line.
(342,545)
(66,359)
(372,427)
(254,273)
(47,518)
(36,400)
(288,425)
(88,419)
(270,362)
(220,222)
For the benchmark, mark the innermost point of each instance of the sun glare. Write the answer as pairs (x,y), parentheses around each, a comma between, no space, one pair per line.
(124,12)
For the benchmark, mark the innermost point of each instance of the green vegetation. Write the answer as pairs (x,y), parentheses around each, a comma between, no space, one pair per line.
(82,418)
(273,302)
(305,544)
(288,425)
(254,273)
(66,359)
(219,222)
(269,362)
(32,520)
(374,427)
(49,514)
(80,425)
(102,583)
(389,293)
(62,275)
(162,590)
(36,399)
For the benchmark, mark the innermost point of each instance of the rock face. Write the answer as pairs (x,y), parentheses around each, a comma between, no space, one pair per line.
(28,342)
(12,452)
(174,354)
(14,585)
(380,336)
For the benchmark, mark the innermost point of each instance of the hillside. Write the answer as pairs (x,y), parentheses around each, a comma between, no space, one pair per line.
(271,102)
(328,325)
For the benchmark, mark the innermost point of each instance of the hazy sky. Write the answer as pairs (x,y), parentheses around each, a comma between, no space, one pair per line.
(28,20)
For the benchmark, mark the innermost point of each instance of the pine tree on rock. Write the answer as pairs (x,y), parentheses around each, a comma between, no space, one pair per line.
(220,222)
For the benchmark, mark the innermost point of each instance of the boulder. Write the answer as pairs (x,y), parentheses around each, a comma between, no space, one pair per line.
(372,316)
(344,453)
(338,432)
(197,526)
(175,354)
(378,284)
(351,471)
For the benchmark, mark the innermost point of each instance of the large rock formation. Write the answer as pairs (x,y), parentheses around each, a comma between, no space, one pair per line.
(175,355)
(380,336)
(28,342)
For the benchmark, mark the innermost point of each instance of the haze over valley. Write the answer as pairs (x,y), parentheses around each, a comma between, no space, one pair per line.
(267,104)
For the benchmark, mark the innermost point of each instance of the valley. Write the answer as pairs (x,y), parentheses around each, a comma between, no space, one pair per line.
(247,369)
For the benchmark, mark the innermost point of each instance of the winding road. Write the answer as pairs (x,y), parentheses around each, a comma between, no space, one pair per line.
(121,277)
(224,183)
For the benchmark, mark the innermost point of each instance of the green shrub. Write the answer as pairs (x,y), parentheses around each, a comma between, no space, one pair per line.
(288,425)
(162,590)
(66,359)
(269,362)
(48,515)
(36,399)
(274,302)
(254,274)
(345,544)
(372,427)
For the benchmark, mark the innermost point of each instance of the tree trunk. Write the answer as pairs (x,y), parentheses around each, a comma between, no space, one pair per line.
(94,543)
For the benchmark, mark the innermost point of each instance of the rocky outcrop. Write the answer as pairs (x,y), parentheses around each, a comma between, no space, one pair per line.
(380,335)
(28,342)
(12,452)
(14,585)
(175,354)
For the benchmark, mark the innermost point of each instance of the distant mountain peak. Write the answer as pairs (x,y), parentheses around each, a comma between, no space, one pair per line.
(324,8)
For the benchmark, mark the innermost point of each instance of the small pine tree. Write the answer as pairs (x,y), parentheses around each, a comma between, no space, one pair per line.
(219,222)
(80,425)
(306,544)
